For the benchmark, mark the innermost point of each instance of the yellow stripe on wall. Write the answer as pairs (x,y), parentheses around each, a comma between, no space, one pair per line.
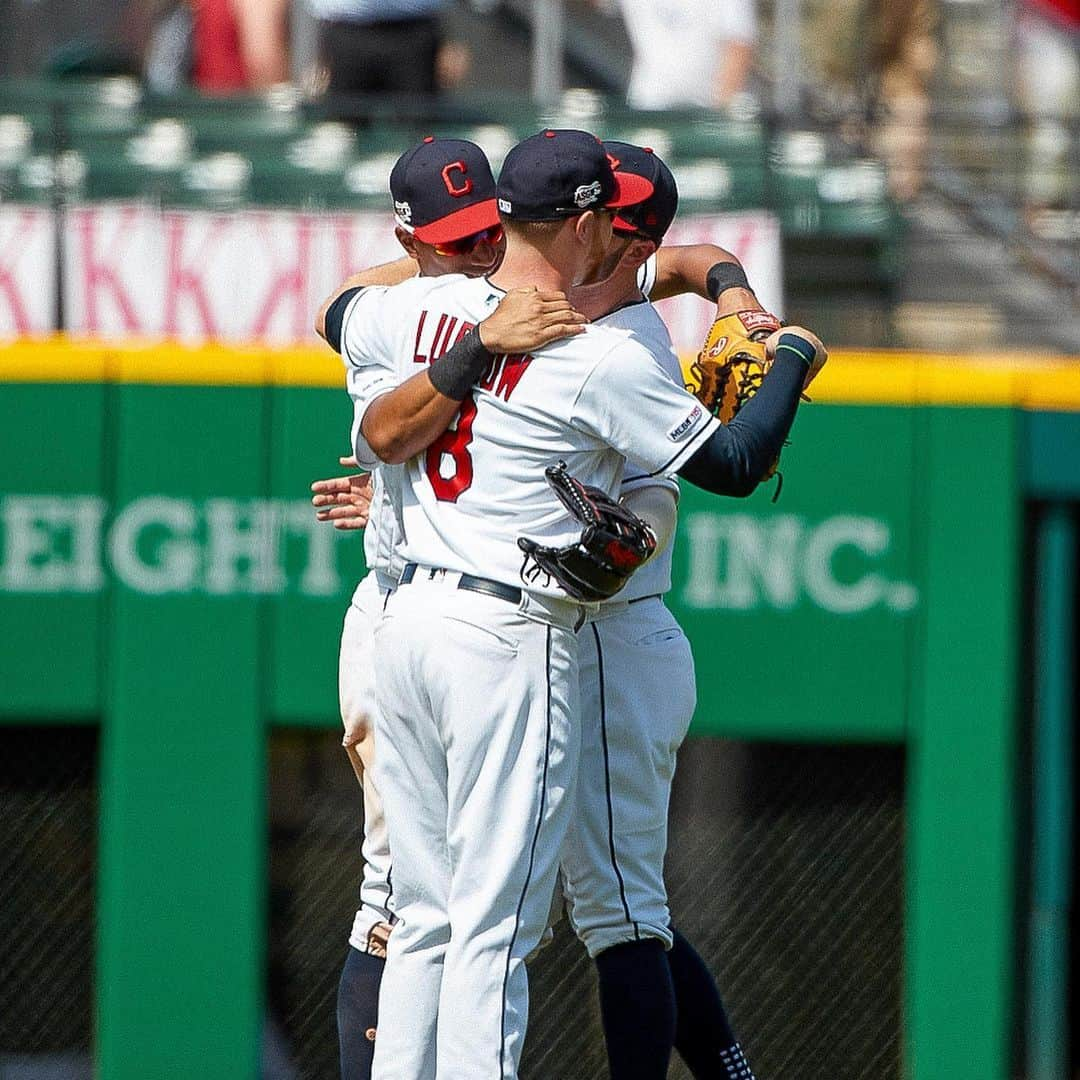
(154,363)
(850,378)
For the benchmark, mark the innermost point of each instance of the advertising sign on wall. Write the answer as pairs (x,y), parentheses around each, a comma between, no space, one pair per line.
(133,270)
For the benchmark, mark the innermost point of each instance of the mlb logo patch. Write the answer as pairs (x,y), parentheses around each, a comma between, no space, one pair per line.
(403,211)
(505,207)
(681,430)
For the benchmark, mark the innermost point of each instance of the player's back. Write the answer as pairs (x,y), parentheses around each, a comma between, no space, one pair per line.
(478,487)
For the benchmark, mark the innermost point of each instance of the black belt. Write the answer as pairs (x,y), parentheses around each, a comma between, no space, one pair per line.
(470,583)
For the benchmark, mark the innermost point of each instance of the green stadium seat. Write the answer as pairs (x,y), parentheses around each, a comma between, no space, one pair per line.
(215,182)
(711,184)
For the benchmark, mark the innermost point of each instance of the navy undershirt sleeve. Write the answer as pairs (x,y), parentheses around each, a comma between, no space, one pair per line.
(738,455)
(335,316)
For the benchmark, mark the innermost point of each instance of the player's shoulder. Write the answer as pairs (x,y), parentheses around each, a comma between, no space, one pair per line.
(388,303)
(632,336)
(637,317)
(417,287)
(590,347)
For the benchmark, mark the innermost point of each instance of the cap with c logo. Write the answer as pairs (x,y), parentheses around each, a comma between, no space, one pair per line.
(443,190)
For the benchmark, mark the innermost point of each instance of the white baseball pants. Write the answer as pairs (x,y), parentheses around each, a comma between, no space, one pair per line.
(478,752)
(638,697)
(356,693)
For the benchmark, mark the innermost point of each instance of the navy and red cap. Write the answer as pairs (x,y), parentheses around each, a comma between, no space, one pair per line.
(443,190)
(652,216)
(557,174)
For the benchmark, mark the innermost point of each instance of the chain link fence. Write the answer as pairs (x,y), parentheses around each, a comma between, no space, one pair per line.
(785,870)
(48,865)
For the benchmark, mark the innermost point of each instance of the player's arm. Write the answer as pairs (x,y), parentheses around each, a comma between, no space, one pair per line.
(328,320)
(401,423)
(631,404)
(736,456)
(704,270)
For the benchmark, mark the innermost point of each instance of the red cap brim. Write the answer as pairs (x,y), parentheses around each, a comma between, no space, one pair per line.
(630,189)
(459,224)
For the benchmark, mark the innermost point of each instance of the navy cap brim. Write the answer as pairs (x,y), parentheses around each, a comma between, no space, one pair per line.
(459,224)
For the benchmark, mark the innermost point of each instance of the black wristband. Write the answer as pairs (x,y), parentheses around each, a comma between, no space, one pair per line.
(725,275)
(455,372)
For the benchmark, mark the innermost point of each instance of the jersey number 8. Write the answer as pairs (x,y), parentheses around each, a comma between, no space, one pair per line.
(452,443)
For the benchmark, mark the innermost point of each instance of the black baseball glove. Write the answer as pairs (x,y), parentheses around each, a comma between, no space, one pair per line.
(614,542)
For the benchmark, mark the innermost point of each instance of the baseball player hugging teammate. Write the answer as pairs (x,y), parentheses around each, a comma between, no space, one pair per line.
(466,391)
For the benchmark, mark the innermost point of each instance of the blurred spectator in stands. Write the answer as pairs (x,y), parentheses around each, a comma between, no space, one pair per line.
(689,52)
(878,57)
(380,46)
(1048,91)
(217,46)
(239,45)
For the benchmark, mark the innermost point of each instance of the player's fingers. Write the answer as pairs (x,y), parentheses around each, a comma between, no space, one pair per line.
(350,525)
(349,462)
(561,318)
(339,498)
(559,330)
(560,307)
(332,484)
(346,510)
(549,296)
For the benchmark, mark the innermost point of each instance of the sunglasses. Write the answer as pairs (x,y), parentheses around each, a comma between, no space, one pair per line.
(467,244)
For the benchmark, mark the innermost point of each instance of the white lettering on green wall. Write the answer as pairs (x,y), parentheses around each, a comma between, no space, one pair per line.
(742,562)
(160,544)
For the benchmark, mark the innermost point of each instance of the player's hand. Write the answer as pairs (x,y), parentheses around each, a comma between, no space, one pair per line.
(821,354)
(343,500)
(527,318)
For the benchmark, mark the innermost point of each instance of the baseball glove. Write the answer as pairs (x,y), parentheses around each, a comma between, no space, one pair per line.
(731,364)
(614,542)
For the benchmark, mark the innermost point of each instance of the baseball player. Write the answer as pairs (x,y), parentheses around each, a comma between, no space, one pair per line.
(494,758)
(442,234)
(638,698)
(703,1034)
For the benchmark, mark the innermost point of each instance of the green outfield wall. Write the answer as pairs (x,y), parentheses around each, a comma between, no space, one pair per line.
(161,575)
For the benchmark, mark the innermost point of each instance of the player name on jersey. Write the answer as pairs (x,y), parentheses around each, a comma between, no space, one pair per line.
(437,333)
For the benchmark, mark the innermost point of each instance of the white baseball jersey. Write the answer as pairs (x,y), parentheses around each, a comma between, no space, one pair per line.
(383,535)
(646,326)
(589,400)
